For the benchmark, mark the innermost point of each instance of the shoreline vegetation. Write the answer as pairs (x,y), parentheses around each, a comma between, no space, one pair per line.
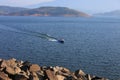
(13,69)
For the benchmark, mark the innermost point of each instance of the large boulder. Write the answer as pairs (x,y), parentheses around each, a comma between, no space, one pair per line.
(34,68)
(13,70)
(51,75)
(10,66)
(60,77)
(6,63)
(4,76)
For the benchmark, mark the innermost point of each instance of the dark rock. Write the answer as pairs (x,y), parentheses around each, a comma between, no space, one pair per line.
(79,73)
(26,63)
(70,78)
(40,75)
(19,77)
(99,78)
(88,76)
(24,68)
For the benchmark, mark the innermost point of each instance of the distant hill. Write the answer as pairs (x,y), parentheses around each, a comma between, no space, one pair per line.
(112,13)
(47,11)
(7,9)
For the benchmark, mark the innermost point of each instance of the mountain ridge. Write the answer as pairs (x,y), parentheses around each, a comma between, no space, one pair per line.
(8,9)
(110,13)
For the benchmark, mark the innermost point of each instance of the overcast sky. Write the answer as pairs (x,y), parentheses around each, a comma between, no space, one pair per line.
(89,6)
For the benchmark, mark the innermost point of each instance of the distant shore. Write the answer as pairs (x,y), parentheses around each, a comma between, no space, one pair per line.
(13,69)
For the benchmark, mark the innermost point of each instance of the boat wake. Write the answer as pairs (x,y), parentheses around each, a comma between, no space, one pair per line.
(30,33)
(52,39)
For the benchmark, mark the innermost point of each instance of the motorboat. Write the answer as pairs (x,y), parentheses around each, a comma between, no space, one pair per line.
(61,41)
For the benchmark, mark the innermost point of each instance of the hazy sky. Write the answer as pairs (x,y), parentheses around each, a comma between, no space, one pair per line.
(89,6)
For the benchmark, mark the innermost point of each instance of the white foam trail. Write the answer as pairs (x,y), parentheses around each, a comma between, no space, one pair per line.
(52,39)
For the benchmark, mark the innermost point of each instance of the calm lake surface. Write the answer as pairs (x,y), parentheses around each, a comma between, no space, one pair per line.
(91,44)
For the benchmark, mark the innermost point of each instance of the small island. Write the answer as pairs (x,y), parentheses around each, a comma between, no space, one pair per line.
(42,11)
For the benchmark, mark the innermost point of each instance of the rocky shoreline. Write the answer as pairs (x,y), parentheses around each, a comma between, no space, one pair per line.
(13,69)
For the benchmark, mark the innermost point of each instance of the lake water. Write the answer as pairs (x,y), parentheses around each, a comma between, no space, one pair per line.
(91,44)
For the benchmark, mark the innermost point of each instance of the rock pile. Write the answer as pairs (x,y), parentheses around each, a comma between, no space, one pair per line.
(18,70)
